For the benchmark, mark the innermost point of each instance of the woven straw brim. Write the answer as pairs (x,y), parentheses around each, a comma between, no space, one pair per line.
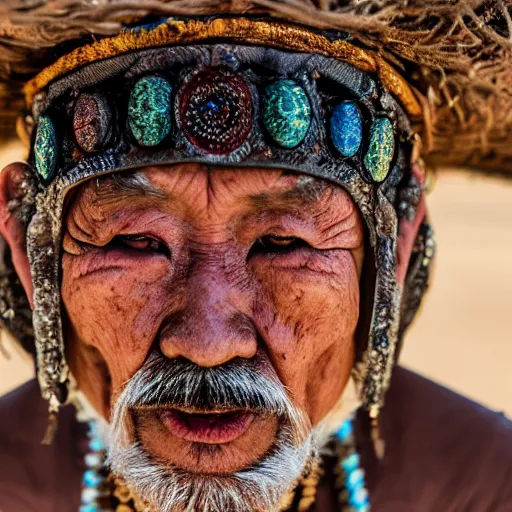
(456,55)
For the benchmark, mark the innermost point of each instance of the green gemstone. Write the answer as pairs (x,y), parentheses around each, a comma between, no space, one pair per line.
(45,148)
(149,110)
(381,149)
(286,112)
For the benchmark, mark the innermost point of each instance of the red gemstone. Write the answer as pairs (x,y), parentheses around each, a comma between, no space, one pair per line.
(216,110)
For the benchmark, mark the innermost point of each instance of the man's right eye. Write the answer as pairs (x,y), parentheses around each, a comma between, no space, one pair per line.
(140,243)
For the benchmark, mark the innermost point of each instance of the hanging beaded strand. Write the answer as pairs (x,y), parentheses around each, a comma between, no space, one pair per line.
(96,492)
(350,475)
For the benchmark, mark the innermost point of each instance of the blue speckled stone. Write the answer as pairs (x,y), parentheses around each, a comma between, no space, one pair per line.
(286,112)
(346,128)
(380,150)
(45,148)
(149,110)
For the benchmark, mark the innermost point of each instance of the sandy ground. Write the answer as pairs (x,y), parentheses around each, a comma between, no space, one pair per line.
(462,337)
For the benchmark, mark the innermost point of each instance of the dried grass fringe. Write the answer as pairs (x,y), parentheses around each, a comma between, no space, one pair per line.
(458,54)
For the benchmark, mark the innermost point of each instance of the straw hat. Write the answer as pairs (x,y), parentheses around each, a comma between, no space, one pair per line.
(456,55)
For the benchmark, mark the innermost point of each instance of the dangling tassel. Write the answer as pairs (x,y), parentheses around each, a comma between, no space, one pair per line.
(379,445)
(53,417)
(51,429)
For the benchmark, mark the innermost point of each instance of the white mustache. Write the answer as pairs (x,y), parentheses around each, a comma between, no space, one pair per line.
(242,383)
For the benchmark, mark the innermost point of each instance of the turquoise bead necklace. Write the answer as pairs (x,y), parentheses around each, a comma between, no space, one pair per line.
(96,492)
(350,474)
(353,495)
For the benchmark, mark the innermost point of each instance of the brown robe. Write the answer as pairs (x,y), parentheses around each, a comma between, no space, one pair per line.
(444,453)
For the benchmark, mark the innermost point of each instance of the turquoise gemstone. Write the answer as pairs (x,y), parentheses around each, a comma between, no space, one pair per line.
(345,431)
(91,479)
(94,429)
(45,148)
(350,463)
(96,444)
(149,110)
(286,112)
(346,128)
(359,499)
(91,507)
(355,480)
(381,149)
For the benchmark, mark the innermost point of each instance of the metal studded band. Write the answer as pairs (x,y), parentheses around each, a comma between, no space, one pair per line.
(223,104)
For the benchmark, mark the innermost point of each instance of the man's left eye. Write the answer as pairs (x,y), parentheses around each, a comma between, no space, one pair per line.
(140,243)
(276,244)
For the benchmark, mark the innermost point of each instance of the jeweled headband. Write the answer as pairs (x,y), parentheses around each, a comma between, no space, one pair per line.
(229,91)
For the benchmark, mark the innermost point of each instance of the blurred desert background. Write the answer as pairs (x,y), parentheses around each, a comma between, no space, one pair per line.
(462,338)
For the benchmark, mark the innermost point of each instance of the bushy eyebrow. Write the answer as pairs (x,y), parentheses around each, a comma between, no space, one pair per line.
(128,184)
(308,191)
(112,190)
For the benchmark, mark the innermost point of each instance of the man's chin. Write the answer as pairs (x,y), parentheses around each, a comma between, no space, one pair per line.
(217,443)
(166,489)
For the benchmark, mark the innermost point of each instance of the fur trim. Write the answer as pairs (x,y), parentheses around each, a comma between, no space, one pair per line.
(456,54)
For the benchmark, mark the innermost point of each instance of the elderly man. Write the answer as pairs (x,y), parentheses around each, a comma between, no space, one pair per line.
(219,240)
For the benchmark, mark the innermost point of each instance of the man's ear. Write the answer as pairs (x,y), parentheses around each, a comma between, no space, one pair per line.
(11,228)
(408,231)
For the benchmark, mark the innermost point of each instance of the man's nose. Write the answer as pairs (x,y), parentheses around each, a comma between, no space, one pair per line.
(211,330)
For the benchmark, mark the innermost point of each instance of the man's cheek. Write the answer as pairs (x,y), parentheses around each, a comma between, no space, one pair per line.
(310,303)
(313,329)
(120,318)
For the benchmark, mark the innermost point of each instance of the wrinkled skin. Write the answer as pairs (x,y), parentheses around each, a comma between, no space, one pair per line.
(208,291)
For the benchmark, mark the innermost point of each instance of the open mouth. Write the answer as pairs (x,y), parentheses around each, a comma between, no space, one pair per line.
(207,427)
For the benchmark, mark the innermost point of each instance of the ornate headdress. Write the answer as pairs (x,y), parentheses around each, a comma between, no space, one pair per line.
(317,90)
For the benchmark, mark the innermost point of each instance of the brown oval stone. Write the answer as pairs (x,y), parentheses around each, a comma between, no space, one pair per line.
(92,122)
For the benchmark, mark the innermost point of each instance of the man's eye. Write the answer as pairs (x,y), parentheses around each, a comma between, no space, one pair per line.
(276,244)
(140,243)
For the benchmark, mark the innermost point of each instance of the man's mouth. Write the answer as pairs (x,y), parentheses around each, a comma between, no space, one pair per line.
(207,427)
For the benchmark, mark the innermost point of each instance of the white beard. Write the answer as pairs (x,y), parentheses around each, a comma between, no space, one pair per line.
(258,488)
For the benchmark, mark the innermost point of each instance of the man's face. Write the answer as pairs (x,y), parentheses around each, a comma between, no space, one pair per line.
(213,269)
